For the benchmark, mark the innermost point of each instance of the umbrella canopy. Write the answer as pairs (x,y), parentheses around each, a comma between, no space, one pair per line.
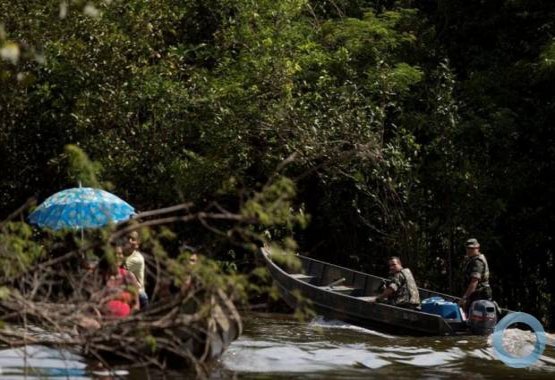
(81,207)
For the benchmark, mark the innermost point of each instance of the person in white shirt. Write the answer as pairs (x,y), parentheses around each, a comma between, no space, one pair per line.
(135,263)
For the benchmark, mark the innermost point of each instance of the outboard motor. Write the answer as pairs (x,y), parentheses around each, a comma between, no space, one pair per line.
(482,317)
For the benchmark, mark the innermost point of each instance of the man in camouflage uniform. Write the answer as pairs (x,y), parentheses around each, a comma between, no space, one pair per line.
(476,274)
(401,289)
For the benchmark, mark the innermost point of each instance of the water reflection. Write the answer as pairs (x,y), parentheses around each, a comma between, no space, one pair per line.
(282,347)
(279,347)
(39,362)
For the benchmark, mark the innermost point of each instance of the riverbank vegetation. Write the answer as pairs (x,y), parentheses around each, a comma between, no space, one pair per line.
(397,127)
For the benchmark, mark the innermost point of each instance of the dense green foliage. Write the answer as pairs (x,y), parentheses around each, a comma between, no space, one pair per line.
(404,126)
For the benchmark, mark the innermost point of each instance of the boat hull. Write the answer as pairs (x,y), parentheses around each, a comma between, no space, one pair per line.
(348,301)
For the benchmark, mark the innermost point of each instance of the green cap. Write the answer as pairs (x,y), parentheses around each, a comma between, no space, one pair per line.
(472,243)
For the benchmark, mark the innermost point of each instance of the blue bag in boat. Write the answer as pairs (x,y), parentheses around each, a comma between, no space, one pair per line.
(446,309)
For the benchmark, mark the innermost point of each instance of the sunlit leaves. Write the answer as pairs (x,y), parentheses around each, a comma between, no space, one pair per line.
(18,250)
(547,57)
(9,51)
(272,205)
(81,168)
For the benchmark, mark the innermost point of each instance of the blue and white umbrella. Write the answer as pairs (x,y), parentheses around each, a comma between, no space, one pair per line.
(81,207)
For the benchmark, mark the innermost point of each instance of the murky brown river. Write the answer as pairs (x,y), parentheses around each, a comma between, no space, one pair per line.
(275,346)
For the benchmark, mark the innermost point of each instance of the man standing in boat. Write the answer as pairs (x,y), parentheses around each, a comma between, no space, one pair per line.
(401,289)
(476,275)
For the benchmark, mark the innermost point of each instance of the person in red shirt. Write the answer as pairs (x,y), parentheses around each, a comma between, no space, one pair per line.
(120,295)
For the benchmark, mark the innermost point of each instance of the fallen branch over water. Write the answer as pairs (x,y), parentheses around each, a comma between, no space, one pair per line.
(166,333)
(52,303)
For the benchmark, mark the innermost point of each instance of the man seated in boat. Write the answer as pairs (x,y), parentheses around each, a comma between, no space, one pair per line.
(188,280)
(169,287)
(400,289)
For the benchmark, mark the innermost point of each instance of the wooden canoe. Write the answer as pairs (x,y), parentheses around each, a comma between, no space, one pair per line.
(348,301)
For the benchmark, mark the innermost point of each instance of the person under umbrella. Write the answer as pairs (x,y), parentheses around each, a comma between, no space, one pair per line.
(120,295)
(135,262)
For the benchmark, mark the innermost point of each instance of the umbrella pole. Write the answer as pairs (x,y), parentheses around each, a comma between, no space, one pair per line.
(82,254)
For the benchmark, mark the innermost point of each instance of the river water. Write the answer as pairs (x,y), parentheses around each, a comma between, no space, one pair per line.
(278,347)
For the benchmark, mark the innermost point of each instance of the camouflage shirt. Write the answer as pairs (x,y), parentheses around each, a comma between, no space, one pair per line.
(404,286)
(477,267)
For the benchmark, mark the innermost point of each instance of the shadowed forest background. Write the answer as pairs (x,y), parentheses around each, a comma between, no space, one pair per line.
(404,127)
